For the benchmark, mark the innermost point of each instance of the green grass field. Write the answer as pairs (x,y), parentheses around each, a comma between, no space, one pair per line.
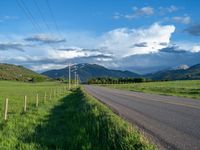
(73,120)
(185,88)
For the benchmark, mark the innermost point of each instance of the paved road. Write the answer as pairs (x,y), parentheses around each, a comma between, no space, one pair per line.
(173,122)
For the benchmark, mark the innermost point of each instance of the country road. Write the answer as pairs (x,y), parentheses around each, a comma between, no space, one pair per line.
(173,122)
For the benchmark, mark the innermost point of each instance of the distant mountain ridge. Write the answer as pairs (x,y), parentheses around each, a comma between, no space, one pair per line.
(87,71)
(181,73)
(19,73)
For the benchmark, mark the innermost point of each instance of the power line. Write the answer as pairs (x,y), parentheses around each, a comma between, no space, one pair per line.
(42,16)
(53,18)
(28,14)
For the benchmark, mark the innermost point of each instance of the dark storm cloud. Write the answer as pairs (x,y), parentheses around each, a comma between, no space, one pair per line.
(172,49)
(82,50)
(143,44)
(69,49)
(163,44)
(193,30)
(147,63)
(11,46)
(44,39)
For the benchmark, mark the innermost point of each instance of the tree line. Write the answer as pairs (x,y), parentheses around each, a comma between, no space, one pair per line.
(109,80)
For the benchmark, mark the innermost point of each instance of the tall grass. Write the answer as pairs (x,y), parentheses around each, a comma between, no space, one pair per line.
(15,92)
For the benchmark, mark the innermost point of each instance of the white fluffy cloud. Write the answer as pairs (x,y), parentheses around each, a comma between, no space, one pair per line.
(122,42)
(115,44)
(107,49)
(71,53)
(188,46)
(196,48)
(49,66)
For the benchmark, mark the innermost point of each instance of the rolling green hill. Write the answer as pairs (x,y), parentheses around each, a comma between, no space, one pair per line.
(19,73)
(87,71)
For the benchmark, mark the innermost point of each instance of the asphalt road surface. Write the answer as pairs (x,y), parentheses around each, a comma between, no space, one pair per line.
(174,123)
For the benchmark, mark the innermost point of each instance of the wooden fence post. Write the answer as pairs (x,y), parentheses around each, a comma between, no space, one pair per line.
(54,93)
(6,109)
(45,96)
(25,101)
(37,100)
(50,96)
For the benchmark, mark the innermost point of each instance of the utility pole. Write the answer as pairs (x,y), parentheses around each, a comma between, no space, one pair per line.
(77,79)
(75,75)
(69,82)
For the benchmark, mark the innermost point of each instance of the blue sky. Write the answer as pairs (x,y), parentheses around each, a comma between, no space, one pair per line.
(141,36)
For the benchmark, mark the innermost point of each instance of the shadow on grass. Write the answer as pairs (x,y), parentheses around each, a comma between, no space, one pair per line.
(75,124)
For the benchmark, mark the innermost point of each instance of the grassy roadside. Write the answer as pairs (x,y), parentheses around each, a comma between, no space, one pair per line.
(110,130)
(187,88)
(72,121)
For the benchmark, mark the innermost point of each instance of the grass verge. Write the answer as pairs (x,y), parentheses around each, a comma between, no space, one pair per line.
(187,88)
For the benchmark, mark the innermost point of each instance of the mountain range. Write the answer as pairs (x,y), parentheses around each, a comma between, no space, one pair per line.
(87,71)
(179,73)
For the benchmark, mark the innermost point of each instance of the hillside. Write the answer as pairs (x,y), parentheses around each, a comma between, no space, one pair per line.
(190,73)
(19,73)
(87,71)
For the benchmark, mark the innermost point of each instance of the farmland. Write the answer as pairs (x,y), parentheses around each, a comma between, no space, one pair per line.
(70,120)
(182,88)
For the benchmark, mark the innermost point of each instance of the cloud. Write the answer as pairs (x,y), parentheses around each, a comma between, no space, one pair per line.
(117,16)
(188,46)
(182,19)
(146,11)
(165,10)
(193,30)
(143,44)
(43,63)
(120,41)
(147,63)
(6,18)
(139,12)
(43,38)
(139,49)
(163,43)
(172,49)
(50,66)
(12,46)
(196,48)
